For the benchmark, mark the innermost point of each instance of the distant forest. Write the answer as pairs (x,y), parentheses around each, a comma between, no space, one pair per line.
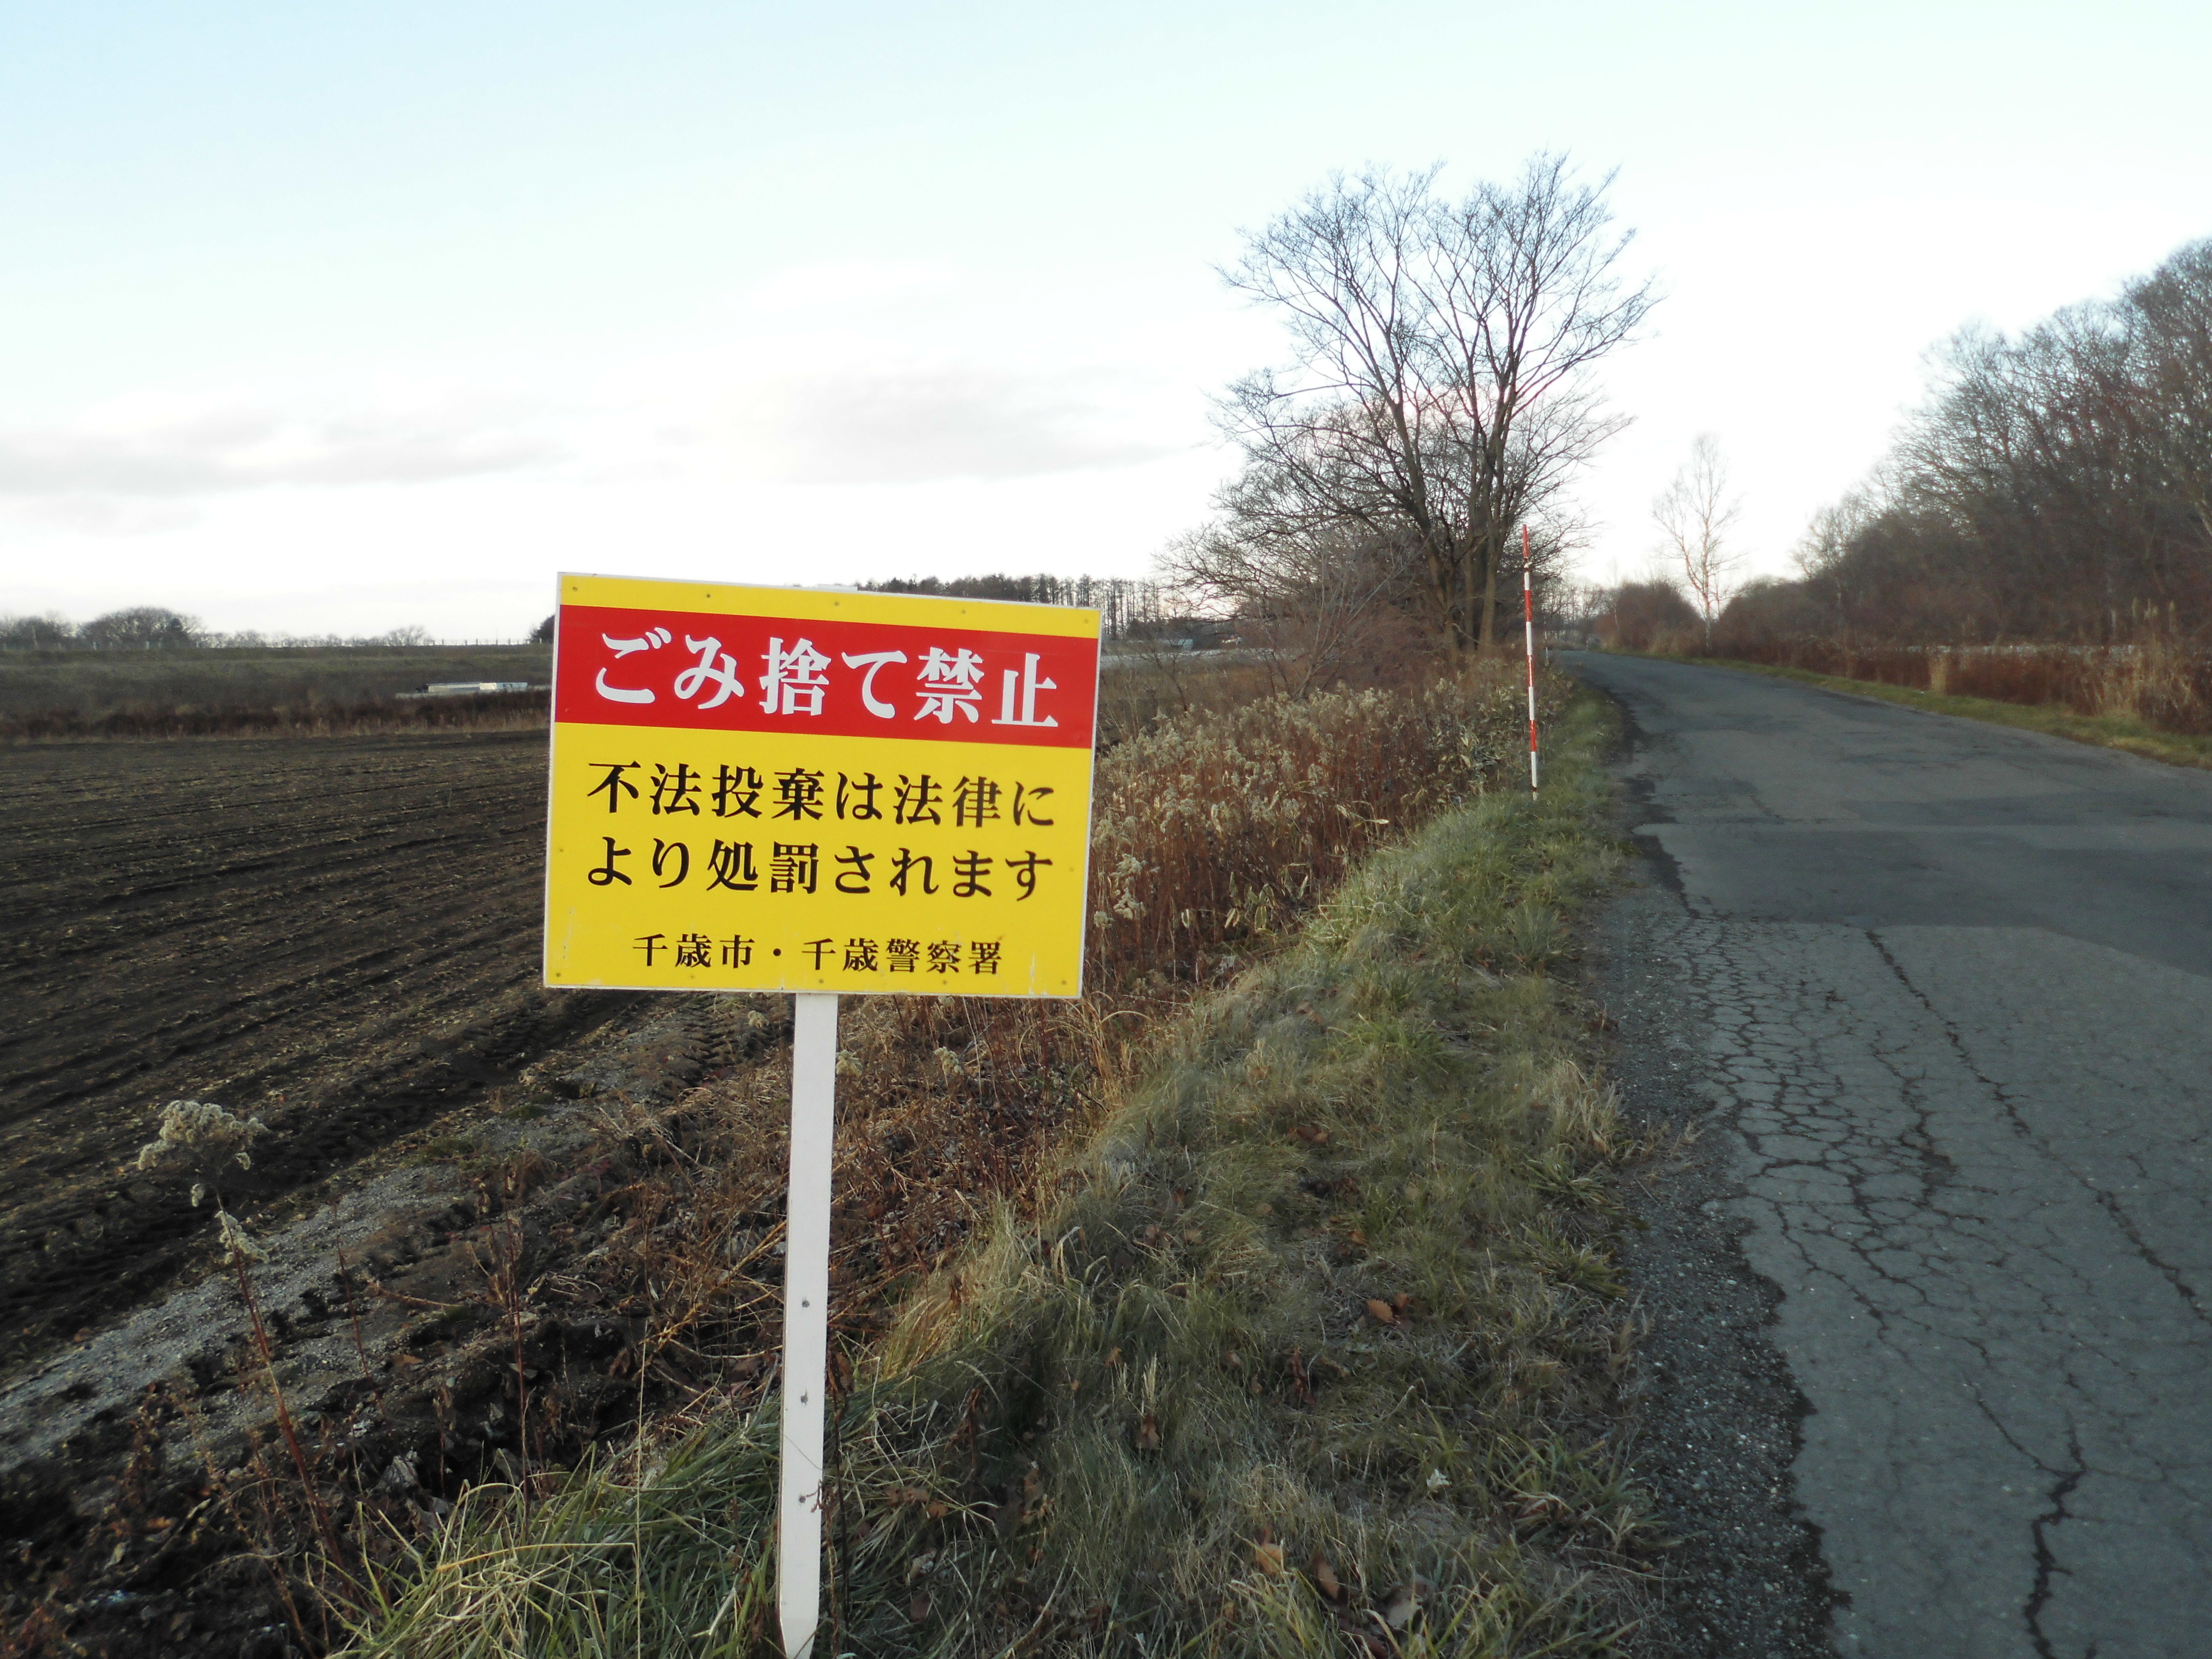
(2054,488)
(1131,610)
(1128,609)
(153,628)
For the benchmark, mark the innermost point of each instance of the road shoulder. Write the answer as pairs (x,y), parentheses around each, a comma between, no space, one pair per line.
(1720,1419)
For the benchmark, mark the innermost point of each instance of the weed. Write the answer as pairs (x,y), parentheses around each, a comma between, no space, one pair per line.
(2161,683)
(298,691)
(1312,1342)
(636,1303)
(2109,730)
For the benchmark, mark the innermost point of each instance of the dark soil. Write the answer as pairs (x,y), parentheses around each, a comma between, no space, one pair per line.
(341,937)
(500,1222)
(452,1309)
(506,711)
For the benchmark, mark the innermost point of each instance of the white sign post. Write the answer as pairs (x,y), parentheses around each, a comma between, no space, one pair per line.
(807,1319)
(713,747)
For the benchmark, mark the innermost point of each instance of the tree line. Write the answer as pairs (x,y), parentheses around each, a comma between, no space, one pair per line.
(1128,608)
(2054,487)
(154,627)
(1132,609)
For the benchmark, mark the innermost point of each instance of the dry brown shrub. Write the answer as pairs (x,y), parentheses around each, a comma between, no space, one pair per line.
(1139,689)
(1213,833)
(2160,680)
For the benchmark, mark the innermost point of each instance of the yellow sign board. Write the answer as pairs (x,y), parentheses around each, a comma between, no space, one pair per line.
(781,789)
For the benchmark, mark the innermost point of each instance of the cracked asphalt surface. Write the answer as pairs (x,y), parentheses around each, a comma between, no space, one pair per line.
(1938,996)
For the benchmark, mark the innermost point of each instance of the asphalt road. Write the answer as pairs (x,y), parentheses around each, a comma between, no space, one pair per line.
(1940,995)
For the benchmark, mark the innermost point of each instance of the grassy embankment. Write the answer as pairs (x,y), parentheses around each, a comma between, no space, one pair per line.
(1314,1337)
(2136,736)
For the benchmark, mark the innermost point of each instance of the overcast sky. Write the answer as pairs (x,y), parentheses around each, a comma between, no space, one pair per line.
(320,317)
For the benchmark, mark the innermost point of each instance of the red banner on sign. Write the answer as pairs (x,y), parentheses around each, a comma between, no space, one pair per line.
(707,672)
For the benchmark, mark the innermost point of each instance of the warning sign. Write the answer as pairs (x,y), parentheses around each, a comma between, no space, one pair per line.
(777,789)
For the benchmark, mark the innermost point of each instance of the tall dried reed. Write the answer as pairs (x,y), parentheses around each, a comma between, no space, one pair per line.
(1137,690)
(1317,1349)
(1212,833)
(2162,680)
(1222,819)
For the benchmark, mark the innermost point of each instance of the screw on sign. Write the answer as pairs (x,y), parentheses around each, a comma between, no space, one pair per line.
(822,792)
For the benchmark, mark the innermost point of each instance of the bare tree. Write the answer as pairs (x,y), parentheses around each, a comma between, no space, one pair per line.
(146,627)
(1312,600)
(1822,558)
(1438,392)
(1695,514)
(2055,485)
(20,633)
(2170,311)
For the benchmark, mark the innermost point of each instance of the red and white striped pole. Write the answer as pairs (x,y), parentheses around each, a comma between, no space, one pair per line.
(1528,628)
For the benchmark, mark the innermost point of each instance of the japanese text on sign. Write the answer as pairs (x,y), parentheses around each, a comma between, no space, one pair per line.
(760,789)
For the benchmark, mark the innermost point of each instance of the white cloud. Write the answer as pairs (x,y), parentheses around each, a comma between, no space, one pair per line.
(109,515)
(851,287)
(924,425)
(92,471)
(864,371)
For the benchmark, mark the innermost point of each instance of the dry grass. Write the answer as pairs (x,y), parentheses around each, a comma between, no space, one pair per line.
(1311,1346)
(1241,820)
(2162,684)
(1139,688)
(303,691)
(1214,832)
(2108,731)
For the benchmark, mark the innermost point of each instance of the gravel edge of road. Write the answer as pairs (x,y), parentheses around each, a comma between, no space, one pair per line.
(1720,1422)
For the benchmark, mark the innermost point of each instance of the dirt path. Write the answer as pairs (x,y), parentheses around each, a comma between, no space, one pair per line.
(340,935)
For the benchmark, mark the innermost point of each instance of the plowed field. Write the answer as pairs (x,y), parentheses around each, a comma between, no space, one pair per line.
(339,935)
